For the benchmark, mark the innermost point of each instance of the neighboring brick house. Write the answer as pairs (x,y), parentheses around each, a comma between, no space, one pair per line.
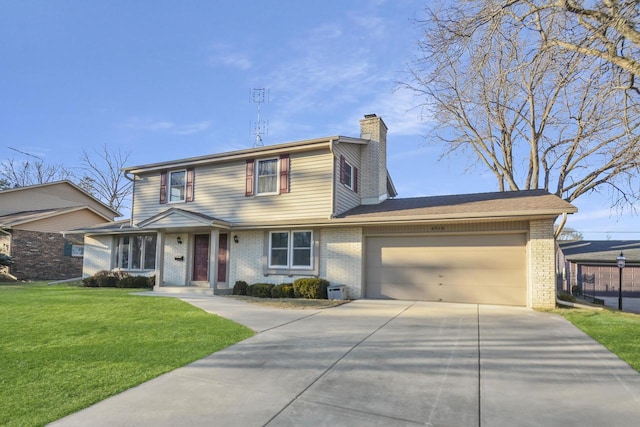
(327,208)
(32,220)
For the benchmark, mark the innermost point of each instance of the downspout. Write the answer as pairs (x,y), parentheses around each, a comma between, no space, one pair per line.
(133,191)
(333,179)
(563,221)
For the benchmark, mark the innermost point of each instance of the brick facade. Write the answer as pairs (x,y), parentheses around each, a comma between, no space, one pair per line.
(542,264)
(40,256)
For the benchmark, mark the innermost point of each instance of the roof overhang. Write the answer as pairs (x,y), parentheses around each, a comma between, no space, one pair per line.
(179,218)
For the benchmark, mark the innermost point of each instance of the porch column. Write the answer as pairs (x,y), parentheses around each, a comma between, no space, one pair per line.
(159,259)
(213,258)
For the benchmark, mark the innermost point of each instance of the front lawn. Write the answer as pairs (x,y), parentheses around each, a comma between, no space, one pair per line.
(63,348)
(619,332)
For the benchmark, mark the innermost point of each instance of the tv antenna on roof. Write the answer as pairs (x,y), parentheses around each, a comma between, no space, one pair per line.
(261,127)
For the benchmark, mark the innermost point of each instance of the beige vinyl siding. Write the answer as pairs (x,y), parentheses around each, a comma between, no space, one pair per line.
(345,197)
(69,221)
(61,195)
(219,192)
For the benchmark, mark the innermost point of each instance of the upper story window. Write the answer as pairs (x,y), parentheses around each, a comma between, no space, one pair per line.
(348,174)
(267,176)
(177,186)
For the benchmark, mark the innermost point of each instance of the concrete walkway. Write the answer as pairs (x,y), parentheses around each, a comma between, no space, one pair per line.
(387,363)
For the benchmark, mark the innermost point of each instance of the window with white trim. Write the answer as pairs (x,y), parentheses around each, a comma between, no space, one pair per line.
(291,249)
(267,177)
(177,186)
(136,252)
(348,175)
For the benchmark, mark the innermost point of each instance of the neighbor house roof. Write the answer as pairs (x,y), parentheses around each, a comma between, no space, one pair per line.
(19,218)
(463,206)
(600,251)
(30,189)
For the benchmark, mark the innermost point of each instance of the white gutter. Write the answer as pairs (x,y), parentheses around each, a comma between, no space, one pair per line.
(332,141)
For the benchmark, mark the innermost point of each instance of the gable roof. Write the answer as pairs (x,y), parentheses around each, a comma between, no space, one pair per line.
(60,196)
(600,251)
(186,218)
(20,218)
(510,204)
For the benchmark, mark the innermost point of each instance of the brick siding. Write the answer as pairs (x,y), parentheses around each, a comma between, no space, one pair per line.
(40,256)
(542,264)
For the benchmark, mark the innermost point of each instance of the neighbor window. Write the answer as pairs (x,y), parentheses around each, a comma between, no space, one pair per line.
(348,174)
(267,182)
(136,252)
(291,249)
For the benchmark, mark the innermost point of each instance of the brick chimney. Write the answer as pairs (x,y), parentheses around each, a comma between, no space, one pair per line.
(373,160)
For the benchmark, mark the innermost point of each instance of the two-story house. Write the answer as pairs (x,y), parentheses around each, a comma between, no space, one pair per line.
(327,207)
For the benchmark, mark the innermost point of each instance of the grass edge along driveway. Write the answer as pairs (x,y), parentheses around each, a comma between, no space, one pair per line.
(619,332)
(63,348)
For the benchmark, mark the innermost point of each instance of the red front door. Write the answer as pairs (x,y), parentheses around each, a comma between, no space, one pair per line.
(201,258)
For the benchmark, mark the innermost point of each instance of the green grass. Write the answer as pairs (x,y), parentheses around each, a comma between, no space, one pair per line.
(63,348)
(619,332)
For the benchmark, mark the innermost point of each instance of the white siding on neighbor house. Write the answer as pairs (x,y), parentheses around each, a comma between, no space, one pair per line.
(346,198)
(97,254)
(219,192)
(175,271)
(69,221)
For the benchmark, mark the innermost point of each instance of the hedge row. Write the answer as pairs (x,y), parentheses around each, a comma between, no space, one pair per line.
(312,288)
(118,279)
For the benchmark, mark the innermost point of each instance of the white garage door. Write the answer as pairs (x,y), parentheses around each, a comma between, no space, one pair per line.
(483,269)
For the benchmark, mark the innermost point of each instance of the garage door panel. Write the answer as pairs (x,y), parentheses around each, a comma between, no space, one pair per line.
(463,294)
(489,269)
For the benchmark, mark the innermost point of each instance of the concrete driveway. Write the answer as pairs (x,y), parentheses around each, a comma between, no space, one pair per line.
(387,363)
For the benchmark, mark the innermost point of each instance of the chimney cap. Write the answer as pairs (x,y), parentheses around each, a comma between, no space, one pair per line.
(369,116)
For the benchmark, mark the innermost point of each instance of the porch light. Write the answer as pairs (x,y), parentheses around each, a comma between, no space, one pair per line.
(621,261)
(179,240)
(235,238)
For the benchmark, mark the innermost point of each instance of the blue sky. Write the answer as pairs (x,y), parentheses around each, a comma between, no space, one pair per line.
(169,79)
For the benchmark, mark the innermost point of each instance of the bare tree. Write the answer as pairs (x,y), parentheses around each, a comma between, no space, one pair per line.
(570,234)
(604,29)
(103,176)
(15,173)
(533,114)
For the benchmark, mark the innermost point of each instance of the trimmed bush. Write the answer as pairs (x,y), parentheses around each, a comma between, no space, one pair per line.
(6,260)
(135,282)
(240,288)
(105,279)
(261,290)
(284,290)
(311,288)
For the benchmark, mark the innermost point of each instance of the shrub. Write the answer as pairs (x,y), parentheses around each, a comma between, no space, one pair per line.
(311,288)
(240,288)
(105,279)
(6,260)
(565,296)
(135,282)
(284,290)
(261,290)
